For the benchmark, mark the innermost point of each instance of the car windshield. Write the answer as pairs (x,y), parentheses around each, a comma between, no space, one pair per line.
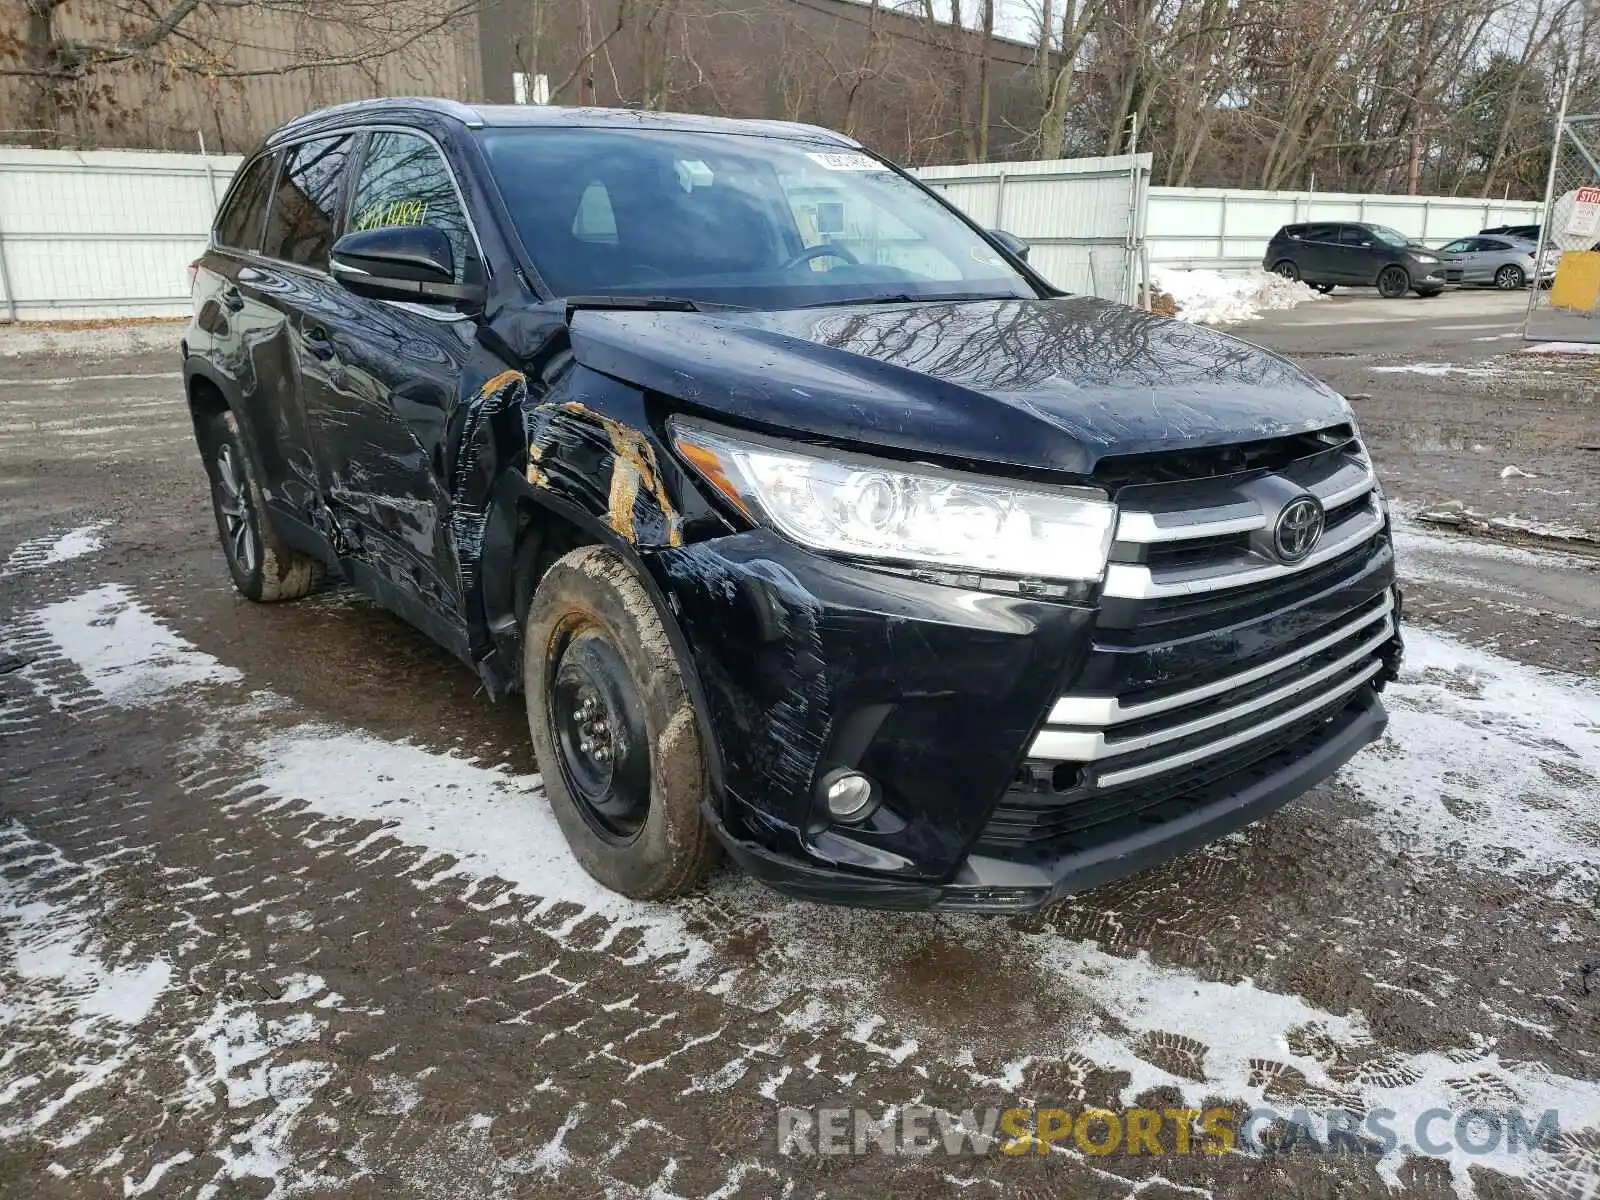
(1392,236)
(737,219)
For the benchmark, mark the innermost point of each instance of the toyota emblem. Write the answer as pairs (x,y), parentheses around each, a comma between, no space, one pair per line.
(1299,528)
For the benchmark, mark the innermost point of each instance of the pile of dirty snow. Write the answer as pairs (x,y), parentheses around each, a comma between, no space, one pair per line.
(1212,298)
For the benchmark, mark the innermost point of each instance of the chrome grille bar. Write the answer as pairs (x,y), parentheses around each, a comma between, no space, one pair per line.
(1135,581)
(1108,710)
(1160,766)
(1093,745)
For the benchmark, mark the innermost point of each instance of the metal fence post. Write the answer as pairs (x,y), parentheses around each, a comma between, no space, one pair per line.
(1548,208)
(211,178)
(1222,229)
(1000,202)
(5,278)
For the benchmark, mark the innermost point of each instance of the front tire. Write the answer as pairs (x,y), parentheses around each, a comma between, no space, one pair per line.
(1510,278)
(614,729)
(265,568)
(1393,282)
(1324,288)
(1286,268)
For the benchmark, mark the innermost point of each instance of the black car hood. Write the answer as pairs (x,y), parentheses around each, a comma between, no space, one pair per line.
(1052,384)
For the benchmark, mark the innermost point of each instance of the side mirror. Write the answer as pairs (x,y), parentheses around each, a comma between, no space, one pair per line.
(1010,243)
(401,262)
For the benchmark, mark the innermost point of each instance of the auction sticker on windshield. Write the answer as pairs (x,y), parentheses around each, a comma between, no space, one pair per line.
(846,160)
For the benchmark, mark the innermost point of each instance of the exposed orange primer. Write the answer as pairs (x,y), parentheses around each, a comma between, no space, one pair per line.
(633,468)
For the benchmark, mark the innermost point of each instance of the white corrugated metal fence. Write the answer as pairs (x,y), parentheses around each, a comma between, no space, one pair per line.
(1081,216)
(1207,227)
(103,233)
(108,233)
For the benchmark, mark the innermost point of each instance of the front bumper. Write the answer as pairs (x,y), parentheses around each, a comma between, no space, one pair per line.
(987,884)
(944,694)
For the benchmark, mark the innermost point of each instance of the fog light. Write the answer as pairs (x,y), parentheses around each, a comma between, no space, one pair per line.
(850,796)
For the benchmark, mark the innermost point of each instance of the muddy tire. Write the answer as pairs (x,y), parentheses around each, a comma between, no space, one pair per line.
(264,567)
(614,728)
(1393,282)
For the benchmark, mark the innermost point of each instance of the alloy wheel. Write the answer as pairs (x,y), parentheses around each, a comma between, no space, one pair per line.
(238,521)
(1508,278)
(1393,282)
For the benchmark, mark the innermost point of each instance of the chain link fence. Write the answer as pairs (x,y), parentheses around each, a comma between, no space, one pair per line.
(1568,307)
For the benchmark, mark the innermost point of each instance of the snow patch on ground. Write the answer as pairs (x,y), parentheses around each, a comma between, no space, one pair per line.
(1466,726)
(1213,298)
(1439,370)
(38,553)
(1564,348)
(235,1059)
(1526,789)
(494,823)
(61,1001)
(1249,1032)
(1455,515)
(124,652)
(51,948)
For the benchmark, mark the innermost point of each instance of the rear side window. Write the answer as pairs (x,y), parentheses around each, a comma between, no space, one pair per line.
(1492,244)
(1293,232)
(1321,233)
(239,224)
(305,206)
(404,181)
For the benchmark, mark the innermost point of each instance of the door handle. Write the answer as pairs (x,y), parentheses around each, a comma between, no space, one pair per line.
(232,299)
(317,341)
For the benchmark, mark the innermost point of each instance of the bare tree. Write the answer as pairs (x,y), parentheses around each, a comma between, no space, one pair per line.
(69,54)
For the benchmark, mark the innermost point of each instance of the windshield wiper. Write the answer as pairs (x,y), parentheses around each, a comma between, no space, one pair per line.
(909,298)
(644,304)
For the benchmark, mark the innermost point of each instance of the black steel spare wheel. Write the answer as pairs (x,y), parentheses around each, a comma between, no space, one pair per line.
(614,728)
(596,721)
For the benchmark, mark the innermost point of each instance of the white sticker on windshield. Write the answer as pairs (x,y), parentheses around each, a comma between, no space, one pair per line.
(846,160)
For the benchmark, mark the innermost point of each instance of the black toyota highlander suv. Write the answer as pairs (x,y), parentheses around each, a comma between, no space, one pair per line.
(809,520)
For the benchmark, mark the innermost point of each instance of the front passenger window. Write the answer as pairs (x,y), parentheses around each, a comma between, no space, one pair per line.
(404,182)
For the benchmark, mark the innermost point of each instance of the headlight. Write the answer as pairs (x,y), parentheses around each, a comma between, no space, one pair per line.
(858,506)
(1426,258)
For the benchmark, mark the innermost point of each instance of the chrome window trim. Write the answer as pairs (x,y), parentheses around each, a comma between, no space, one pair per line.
(350,183)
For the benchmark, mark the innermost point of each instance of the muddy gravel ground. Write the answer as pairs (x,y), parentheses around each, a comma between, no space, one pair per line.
(283,909)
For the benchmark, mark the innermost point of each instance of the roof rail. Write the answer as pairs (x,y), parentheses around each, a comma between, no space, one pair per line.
(464,113)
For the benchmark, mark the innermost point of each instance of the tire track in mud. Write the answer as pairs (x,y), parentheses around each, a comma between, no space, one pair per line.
(609,1063)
